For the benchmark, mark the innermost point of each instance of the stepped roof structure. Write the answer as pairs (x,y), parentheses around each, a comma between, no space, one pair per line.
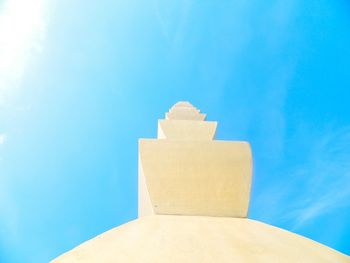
(194,196)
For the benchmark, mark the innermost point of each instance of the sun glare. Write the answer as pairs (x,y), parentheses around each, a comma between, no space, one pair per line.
(21,33)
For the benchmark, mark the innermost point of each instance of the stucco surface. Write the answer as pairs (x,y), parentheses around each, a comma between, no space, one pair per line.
(184,115)
(186,129)
(184,111)
(145,207)
(192,239)
(189,177)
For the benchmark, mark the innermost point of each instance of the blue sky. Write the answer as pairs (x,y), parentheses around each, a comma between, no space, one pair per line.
(81,81)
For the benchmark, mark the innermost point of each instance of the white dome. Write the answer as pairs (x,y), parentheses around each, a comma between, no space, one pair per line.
(194,239)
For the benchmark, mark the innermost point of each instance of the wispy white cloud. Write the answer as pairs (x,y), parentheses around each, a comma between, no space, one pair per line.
(318,185)
(8,213)
(327,177)
(172,18)
(2,138)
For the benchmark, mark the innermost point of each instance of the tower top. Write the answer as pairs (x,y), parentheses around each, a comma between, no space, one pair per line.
(185,171)
(183,104)
(183,110)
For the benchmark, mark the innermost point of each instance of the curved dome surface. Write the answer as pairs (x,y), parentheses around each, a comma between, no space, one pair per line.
(192,239)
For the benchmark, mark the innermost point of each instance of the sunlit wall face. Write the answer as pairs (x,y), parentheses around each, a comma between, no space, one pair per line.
(81,81)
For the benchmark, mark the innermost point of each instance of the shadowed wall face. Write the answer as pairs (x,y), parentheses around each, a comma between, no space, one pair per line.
(186,172)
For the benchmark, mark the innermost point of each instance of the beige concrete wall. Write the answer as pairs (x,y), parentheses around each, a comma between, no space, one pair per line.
(186,129)
(187,172)
(183,115)
(184,111)
(145,207)
(193,177)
